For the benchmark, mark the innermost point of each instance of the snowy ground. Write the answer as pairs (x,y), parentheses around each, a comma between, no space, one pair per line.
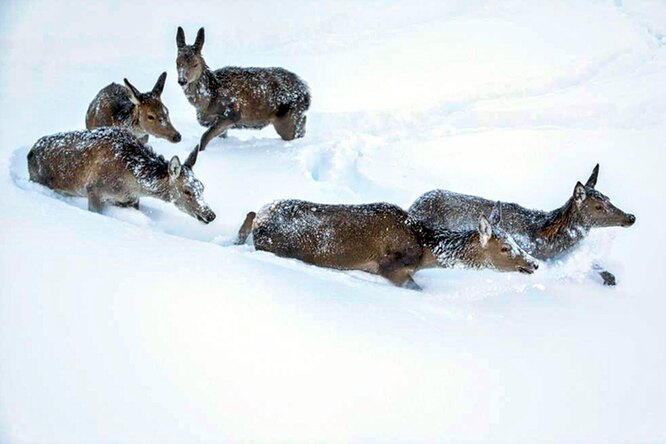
(150,327)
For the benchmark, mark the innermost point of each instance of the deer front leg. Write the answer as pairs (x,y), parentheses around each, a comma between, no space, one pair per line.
(95,203)
(606,276)
(402,277)
(220,127)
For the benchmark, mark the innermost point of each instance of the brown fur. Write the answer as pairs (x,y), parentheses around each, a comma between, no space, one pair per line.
(143,114)
(376,238)
(110,166)
(234,97)
(544,234)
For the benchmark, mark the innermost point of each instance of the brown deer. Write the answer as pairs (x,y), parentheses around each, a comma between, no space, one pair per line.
(143,114)
(543,234)
(377,238)
(234,97)
(110,165)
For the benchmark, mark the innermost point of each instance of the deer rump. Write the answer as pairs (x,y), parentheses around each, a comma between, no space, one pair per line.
(370,237)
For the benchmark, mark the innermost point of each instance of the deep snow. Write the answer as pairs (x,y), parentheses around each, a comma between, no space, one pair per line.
(151,327)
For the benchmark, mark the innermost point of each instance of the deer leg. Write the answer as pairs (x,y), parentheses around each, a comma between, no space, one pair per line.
(285,127)
(134,204)
(246,228)
(300,126)
(95,203)
(606,276)
(218,128)
(402,278)
(291,126)
(130,203)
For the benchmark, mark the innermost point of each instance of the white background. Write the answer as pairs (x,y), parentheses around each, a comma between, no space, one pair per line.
(150,327)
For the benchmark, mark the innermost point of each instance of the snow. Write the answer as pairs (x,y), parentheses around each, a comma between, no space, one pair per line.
(148,326)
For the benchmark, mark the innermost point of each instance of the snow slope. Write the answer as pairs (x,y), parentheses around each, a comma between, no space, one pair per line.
(151,327)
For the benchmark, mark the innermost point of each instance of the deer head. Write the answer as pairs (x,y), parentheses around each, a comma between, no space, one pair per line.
(495,248)
(186,190)
(189,61)
(153,115)
(596,209)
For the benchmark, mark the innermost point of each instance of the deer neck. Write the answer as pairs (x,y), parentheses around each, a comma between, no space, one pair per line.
(152,175)
(452,249)
(200,92)
(133,124)
(562,228)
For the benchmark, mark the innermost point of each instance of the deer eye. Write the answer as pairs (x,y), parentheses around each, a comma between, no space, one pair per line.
(505,249)
(599,207)
(187,192)
(151,117)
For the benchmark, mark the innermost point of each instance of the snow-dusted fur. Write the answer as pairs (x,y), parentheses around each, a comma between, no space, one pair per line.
(142,114)
(544,234)
(235,97)
(109,165)
(377,238)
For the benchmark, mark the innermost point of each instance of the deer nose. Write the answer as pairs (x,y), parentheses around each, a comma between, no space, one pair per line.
(182,82)
(536,266)
(177,138)
(631,219)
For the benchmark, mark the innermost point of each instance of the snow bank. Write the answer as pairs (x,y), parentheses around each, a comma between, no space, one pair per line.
(147,326)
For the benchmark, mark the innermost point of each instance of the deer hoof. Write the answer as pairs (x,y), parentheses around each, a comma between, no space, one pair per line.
(608,277)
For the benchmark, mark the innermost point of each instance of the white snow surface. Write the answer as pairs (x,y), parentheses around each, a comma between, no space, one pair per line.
(148,326)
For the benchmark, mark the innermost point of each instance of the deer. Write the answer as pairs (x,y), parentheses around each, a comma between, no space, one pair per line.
(378,238)
(235,97)
(143,114)
(543,234)
(111,166)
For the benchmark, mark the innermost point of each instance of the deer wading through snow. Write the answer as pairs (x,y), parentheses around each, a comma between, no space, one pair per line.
(111,166)
(380,239)
(543,234)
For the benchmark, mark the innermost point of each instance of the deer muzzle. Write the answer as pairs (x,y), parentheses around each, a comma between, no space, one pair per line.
(629,220)
(207,216)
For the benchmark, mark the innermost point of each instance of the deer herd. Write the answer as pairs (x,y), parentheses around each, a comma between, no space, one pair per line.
(110,163)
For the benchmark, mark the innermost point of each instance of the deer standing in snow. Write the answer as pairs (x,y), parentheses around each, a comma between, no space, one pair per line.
(234,97)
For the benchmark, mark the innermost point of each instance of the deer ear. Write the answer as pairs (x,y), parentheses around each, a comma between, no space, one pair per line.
(192,158)
(132,92)
(159,85)
(198,43)
(174,167)
(496,214)
(592,181)
(579,194)
(180,38)
(485,231)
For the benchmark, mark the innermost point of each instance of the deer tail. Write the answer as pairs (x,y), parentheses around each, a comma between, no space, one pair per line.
(246,228)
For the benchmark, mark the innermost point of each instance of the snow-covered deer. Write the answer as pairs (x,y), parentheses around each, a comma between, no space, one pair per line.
(544,234)
(111,166)
(143,114)
(234,97)
(378,238)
